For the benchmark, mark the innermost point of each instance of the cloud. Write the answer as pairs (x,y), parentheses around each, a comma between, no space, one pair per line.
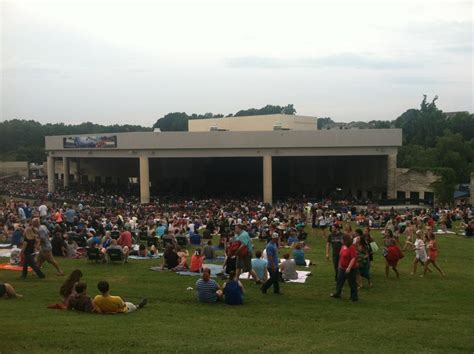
(343,60)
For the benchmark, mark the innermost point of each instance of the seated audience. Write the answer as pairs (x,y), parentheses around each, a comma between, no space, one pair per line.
(80,301)
(207,289)
(209,251)
(259,265)
(196,261)
(288,268)
(8,292)
(233,291)
(106,303)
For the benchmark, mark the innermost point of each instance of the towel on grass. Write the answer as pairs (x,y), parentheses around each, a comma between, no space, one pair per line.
(302,275)
(5,245)
(441,232)
(5,253)
(142,258)
(215,268)
(7,266)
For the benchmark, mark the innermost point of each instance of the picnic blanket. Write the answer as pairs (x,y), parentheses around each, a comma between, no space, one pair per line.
(5,252)
(5,245)
(158,256)
(215,268)
(302,275)
(441,232)
(7,266)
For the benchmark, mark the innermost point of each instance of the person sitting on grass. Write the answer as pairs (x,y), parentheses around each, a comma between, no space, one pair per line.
(170,258)
(259,265)
(106,303)
(183,260)
(196,261)
(195,238)
(7,291)
(288,268)
(209,251)
(67,290)
(233,291)
(80,301)
(208,290)
(298,255)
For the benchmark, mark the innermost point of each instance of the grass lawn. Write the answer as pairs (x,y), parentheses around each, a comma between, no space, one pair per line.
(411,314)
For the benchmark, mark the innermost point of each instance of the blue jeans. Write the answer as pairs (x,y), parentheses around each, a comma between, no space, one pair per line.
(30,261)
(351,278)
(272,280)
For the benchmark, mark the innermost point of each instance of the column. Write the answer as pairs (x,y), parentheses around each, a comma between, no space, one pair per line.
(144,180)
(392,176)
(66,171)
(50,171)
(78,171)
(267,179)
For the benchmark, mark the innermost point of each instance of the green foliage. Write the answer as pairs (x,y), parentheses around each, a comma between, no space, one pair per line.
(268,109)
(444,188)
(24,139)
(324,122)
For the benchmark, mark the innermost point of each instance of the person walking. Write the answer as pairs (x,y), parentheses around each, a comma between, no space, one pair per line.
(28,250)
(46,249)
(334,242)
(272,258)
(347,269)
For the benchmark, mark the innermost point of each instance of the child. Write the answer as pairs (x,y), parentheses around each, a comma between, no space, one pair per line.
(392,255)
(196,261)
(433,255)
(420,251)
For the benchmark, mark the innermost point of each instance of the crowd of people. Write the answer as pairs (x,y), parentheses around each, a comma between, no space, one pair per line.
(48,230)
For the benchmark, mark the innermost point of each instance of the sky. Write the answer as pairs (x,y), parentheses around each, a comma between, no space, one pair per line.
(131,62)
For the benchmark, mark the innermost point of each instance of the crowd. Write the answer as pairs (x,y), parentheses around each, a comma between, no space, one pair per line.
(48,230)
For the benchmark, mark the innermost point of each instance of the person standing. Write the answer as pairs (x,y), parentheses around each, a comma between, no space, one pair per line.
(244,263)
(334,241)
(272,258)
(29,248)
(347,269)
(46,249)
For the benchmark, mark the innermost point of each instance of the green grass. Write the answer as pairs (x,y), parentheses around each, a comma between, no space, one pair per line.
(412,314)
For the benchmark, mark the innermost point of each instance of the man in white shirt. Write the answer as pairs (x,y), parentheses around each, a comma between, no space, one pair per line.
(43,211)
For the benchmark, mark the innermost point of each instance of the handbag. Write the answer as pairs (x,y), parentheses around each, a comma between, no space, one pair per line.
(374,247)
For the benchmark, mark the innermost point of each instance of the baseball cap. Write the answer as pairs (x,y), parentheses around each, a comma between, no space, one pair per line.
(275,235)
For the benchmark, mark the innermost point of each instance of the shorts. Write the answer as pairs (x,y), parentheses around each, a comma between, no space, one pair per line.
(45,256)
(3,290)
(244,263)
(421,256)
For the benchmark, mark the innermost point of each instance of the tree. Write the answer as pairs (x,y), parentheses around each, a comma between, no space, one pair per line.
(444,187)
(176,121)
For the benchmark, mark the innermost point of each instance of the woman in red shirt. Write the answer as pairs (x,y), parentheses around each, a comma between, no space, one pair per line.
(432,255)
(347,269)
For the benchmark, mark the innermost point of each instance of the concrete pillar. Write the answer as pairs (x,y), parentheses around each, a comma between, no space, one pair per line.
(144,180)
(392,176)
(267,179)
(50,170)
(78,171)
(66,171)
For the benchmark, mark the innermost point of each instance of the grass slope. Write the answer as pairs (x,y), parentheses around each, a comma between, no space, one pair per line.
(412,314)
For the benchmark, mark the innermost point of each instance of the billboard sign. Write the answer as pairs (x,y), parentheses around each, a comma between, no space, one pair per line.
(90,142)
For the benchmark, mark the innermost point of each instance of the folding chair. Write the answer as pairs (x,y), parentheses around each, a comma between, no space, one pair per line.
(115,255)
(93,254)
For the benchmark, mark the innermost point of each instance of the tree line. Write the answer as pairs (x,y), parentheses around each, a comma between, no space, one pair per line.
(432,139)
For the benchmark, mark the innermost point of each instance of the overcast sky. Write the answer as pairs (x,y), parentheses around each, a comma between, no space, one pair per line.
(134,61)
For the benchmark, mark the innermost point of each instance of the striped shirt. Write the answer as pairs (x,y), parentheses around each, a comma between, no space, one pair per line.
(207,290)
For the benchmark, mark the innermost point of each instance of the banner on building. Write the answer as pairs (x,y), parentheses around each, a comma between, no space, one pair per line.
(90,142)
